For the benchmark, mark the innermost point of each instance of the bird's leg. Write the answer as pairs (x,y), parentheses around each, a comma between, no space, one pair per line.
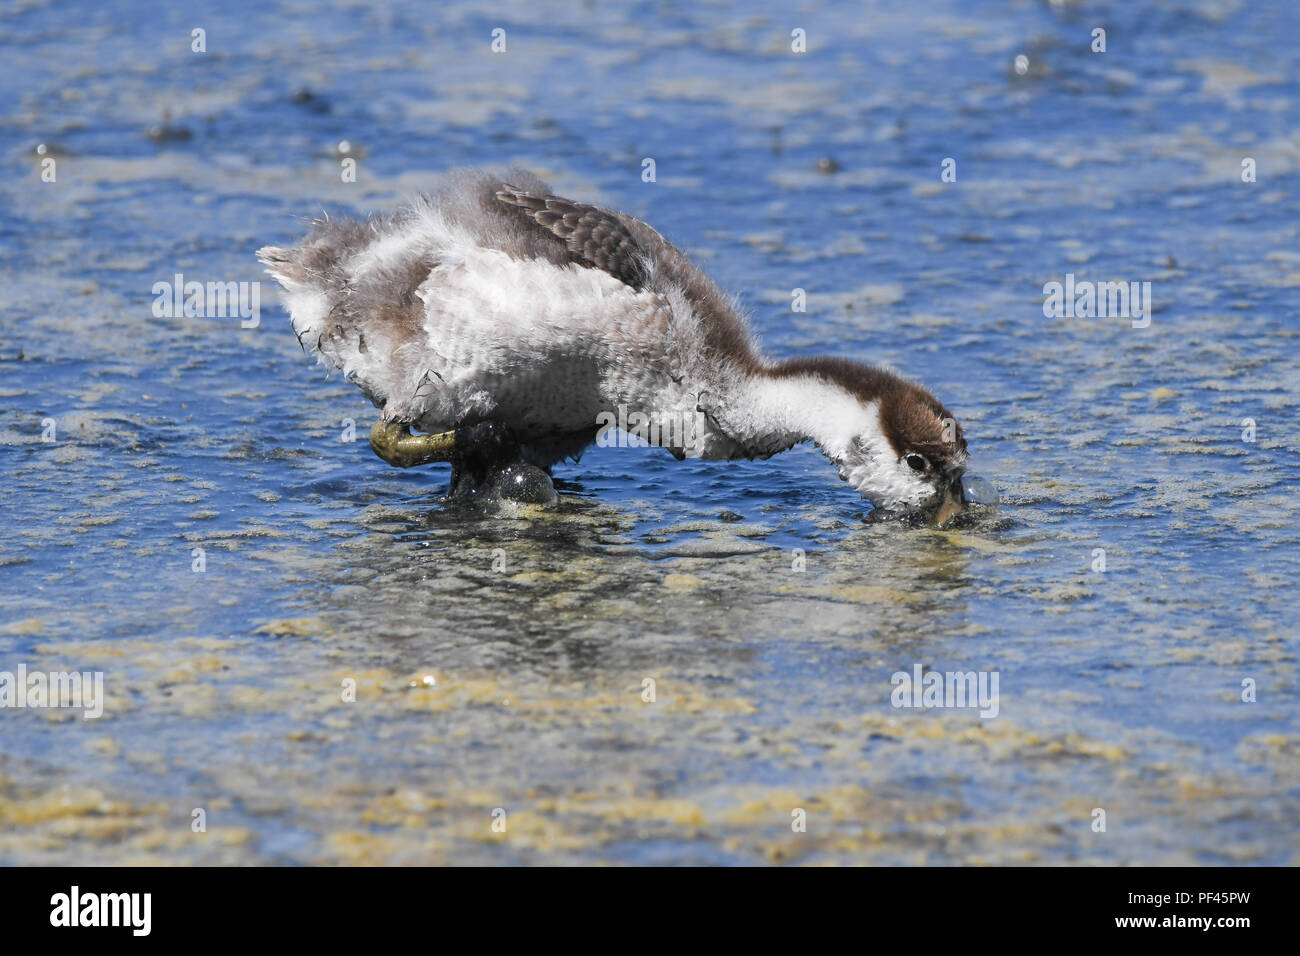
(484,447)
(482,452)
(394,443)
(485,458)
(477,446)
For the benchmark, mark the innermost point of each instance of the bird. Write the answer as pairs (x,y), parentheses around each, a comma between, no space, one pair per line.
(512,328)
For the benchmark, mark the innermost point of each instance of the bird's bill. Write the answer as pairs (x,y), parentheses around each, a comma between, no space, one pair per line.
(960,495)
(950,505)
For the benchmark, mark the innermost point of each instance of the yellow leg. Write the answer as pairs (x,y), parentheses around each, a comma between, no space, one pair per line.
(485,460)
(395,444)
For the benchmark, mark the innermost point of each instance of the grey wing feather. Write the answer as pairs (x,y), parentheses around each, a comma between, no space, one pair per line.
(593,236)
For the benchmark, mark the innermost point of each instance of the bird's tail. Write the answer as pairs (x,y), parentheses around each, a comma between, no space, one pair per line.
(283,265)
(307,300)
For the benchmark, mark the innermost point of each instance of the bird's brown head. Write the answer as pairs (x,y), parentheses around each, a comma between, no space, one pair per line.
(902,449)
(928,440)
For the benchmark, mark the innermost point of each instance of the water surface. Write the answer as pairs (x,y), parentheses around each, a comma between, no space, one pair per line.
(500,662)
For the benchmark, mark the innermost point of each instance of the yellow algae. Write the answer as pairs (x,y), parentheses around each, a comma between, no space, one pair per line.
(559,579)
(153,839)
(529,829)
(1280,752)
(255,699)
(65,801)
(699,704)
(888,726)
(293,627)
(1190,788)
(453,691)
(861,593)
(358,848)
(1002,736)
(784,851)
(683,582)
(75,811)
(1095,748)
(775,806)
(103,745)
(370,684)
(981,543)
(80,650)
(31,625)
(403,807)
(680,812)
(190,668)
(112,828)
(31,842)
(227,836)
(191,698)
(450,694)
(476,798)
(531,577)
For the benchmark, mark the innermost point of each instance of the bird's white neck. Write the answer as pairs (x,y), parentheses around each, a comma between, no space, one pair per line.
(770,412)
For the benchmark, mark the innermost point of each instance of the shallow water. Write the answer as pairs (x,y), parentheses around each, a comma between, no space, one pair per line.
(499,661)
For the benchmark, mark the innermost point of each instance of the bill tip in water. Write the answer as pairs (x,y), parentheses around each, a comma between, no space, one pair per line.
(977,491)
(971,490)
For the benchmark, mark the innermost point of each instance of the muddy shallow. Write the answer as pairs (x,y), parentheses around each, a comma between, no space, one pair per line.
(501,662)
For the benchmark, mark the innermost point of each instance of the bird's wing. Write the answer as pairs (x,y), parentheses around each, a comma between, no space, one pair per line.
(594,237)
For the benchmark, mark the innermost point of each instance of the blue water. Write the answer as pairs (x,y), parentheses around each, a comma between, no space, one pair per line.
(1120,690)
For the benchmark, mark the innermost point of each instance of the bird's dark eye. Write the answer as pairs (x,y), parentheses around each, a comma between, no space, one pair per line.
(917,462)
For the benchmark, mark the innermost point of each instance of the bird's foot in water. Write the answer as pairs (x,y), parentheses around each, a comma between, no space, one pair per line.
(485,458)
(488,465)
